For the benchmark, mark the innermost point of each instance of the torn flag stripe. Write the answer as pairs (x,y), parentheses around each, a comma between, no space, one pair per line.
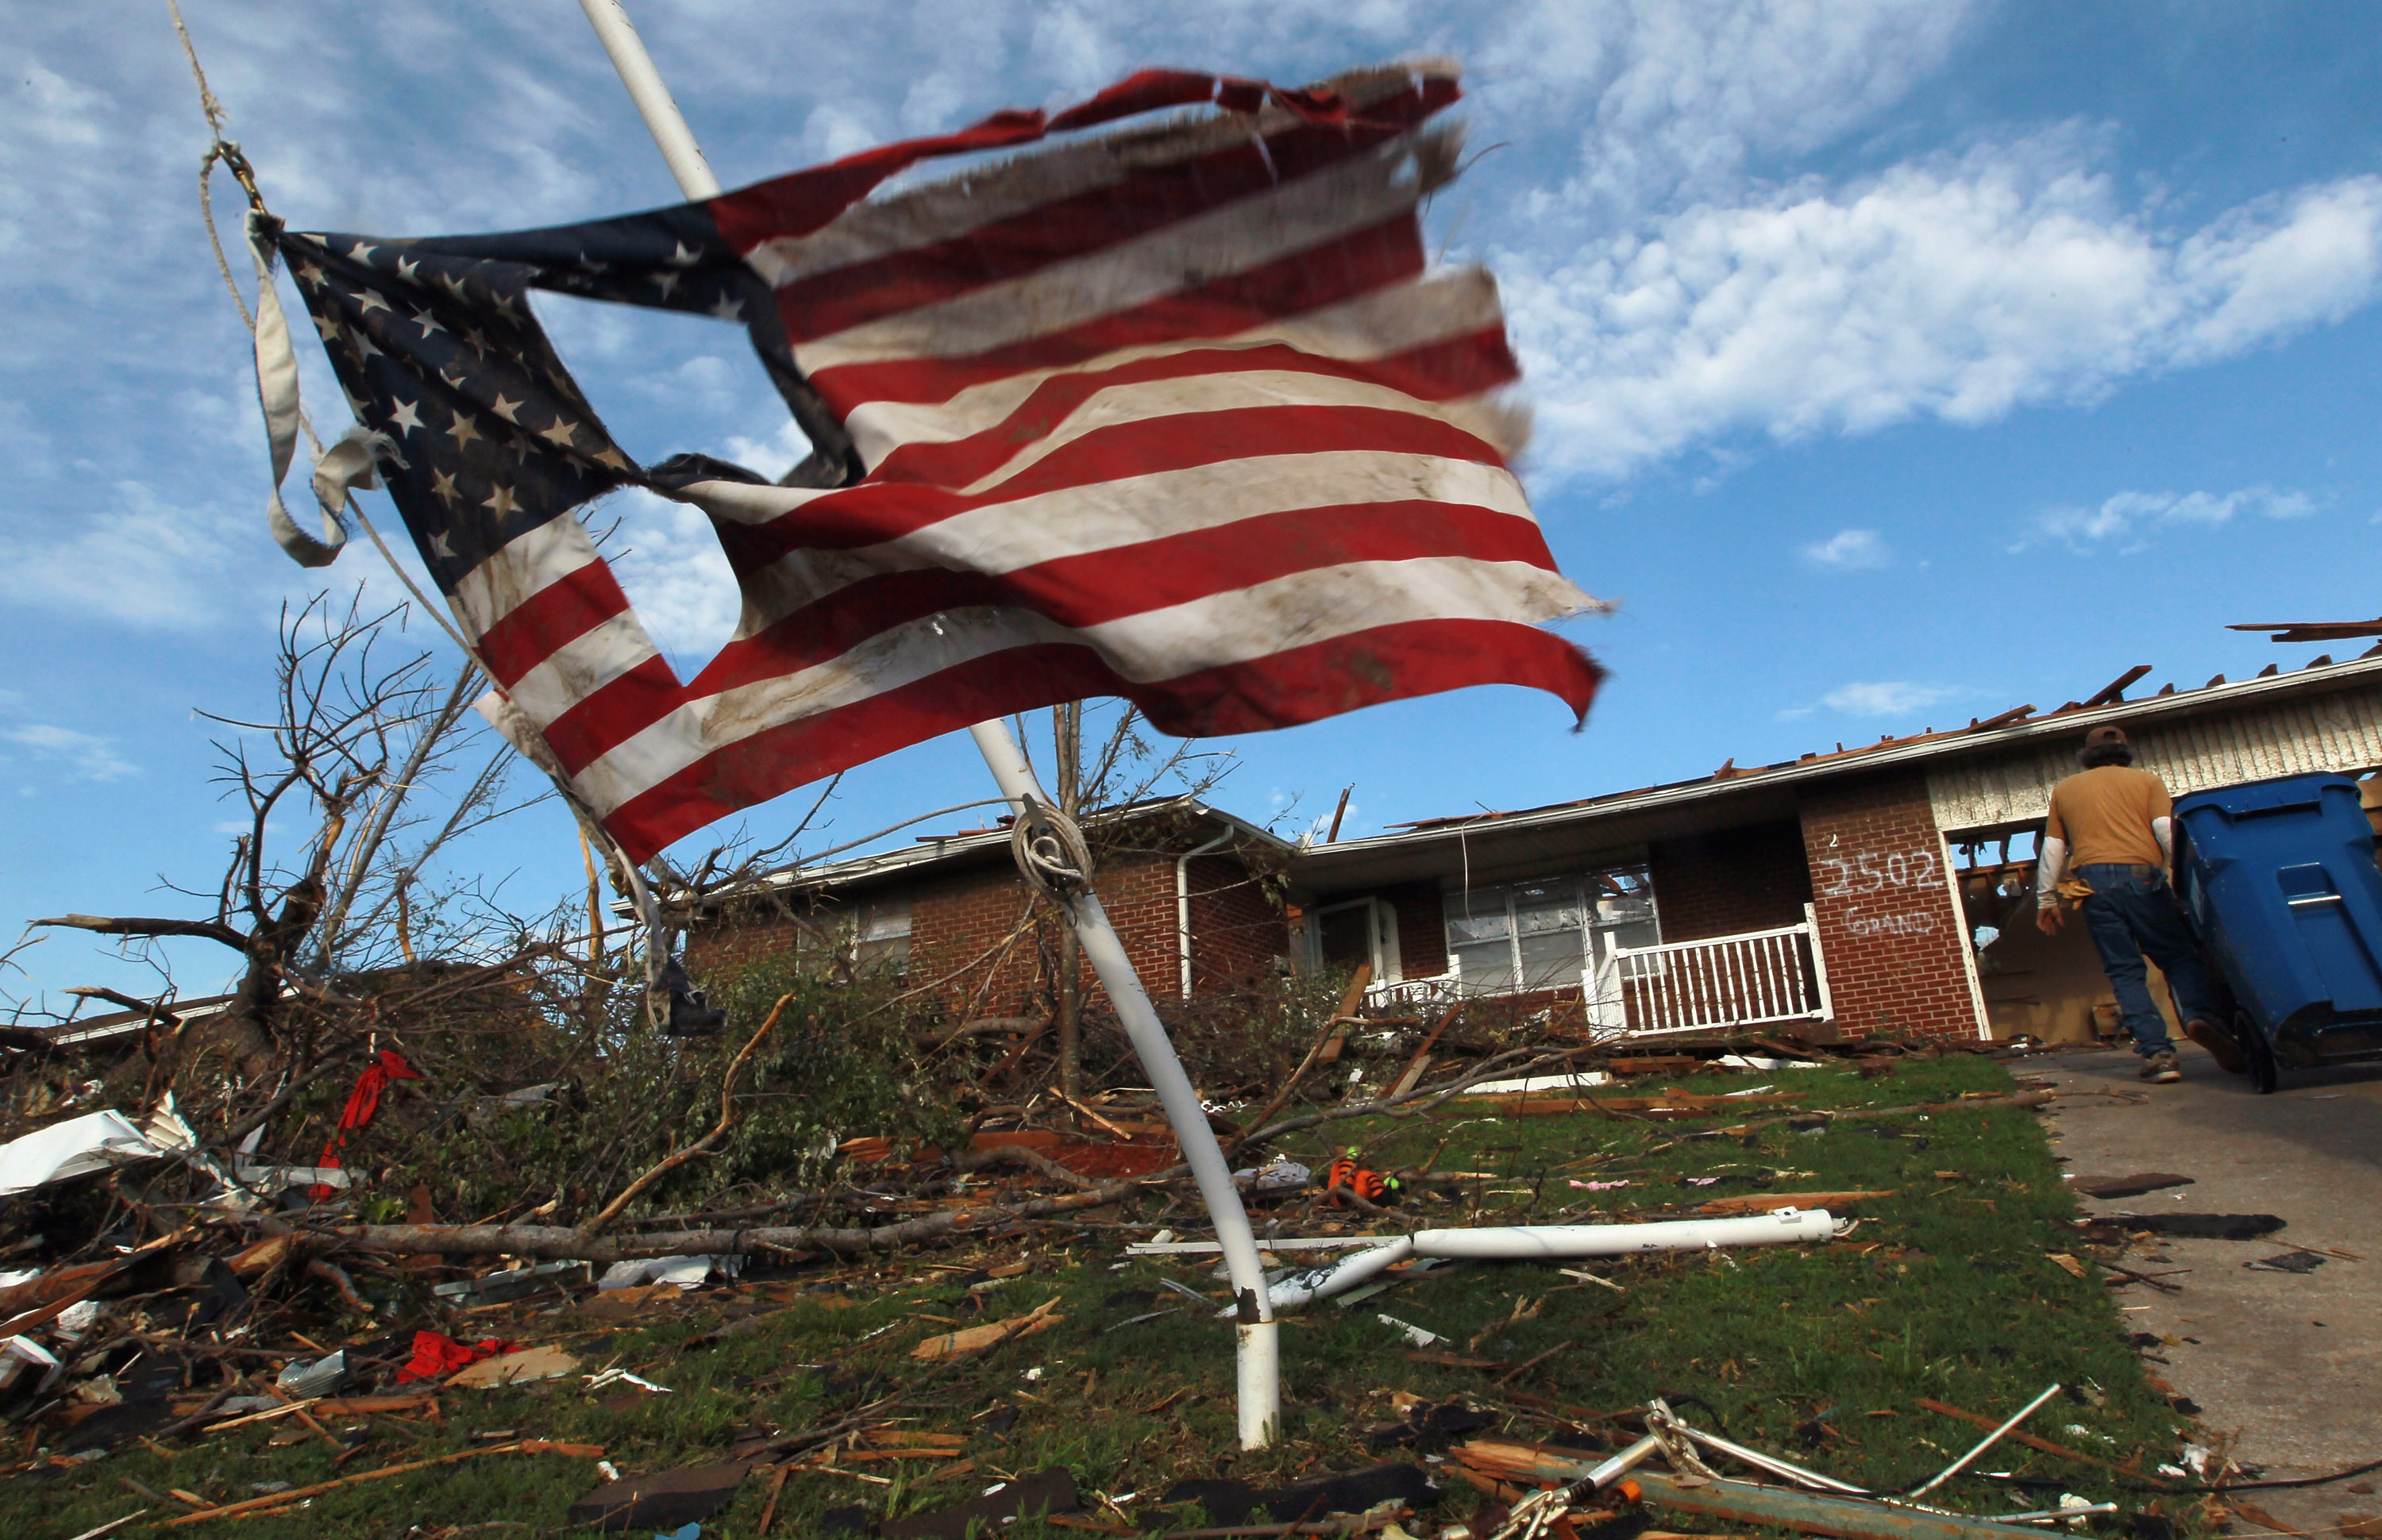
(1388,662)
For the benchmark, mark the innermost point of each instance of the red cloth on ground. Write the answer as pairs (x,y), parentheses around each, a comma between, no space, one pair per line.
(363,1106)
(436,1355)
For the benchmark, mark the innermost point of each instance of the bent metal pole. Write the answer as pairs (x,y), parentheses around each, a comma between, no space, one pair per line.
(1259,1353)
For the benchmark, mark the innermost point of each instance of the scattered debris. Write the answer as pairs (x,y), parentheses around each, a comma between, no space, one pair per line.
(681,1272)
(512,1283)
(2128,1187)
(513,1368)
(2204,1226)
(1051,1491)
(1772,1203)
(1417,1335)
(975,1340)
(1234,1502)
(1426,1426)
(78,1147)
(436,1355)
(666,1499)
(310,1379)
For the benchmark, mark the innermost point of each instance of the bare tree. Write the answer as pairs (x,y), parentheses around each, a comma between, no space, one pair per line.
(355,738)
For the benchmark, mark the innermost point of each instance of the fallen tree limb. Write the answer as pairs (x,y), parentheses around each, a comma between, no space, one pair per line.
(562,1244)
(704,1144)
(1019,1155)
(1338,1024)
(250,1504)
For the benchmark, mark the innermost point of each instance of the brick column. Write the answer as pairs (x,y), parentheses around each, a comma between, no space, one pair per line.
(1889,924)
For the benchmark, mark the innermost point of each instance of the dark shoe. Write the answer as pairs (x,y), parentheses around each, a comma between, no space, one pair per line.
(2160,1068)
(2220,1044)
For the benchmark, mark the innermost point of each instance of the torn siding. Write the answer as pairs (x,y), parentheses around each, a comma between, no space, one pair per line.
(2340,732)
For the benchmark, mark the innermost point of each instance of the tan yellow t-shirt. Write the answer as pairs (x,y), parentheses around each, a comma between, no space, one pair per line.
(2104,815)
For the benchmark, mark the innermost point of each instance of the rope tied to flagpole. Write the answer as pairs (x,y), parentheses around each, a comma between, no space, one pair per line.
(1050,850)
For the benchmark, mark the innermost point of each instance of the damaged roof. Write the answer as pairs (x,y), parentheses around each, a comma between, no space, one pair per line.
(968,846)
(1490,847)
(1495,846)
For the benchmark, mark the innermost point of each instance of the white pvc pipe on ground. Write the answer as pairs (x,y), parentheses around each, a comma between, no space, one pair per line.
(1321,1283)
(1529,1242)
(1540,1242)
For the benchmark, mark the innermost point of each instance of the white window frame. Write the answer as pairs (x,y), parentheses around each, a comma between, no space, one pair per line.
(1595,938)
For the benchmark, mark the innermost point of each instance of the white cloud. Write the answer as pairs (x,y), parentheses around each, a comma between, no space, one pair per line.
(2133,516)
(89,757)
(1957,288)
(1850,550)
(136,560)
(1884,698)
(1679,100)
(676,575)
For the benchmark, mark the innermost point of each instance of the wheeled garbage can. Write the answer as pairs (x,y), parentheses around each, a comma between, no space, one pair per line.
(2278,881)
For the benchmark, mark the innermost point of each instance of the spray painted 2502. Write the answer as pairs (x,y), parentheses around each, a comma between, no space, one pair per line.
(1874,871)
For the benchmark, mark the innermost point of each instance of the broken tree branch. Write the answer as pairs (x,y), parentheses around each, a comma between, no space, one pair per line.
(101,924)
(1019,1155)
(562,1244)
(720,1131)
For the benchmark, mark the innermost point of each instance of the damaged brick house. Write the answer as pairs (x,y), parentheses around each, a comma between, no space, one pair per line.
(1886,887)
(1194,892)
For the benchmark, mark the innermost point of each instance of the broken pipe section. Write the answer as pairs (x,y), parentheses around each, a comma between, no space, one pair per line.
(1543,1243)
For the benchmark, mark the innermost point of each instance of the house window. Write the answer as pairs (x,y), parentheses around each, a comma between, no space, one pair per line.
(881,935)
(871,935)
(1536,935)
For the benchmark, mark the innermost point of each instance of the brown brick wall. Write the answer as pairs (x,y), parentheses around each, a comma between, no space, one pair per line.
(716,948)
(1888,928)
(955,919)
(1236,932)
(1423,928)
(1730,882)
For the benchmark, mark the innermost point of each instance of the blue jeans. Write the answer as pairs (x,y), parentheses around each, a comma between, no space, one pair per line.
(2132,912)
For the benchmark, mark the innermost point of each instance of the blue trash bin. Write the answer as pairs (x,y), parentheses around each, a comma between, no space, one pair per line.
(2278,881)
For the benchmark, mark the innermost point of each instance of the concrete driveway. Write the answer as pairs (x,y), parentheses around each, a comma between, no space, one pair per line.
(2289,1364)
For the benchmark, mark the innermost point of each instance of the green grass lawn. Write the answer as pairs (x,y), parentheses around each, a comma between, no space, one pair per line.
(1818,1354)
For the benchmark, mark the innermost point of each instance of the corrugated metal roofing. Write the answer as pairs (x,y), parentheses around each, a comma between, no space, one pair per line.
(2341,731)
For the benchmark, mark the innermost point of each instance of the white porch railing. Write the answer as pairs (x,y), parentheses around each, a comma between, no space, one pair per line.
(1719,984)
(1430,995)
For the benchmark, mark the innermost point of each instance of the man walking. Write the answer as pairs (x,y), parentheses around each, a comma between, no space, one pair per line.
(2113,827)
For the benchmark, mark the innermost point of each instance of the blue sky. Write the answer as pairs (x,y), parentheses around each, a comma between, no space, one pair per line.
(1893,364)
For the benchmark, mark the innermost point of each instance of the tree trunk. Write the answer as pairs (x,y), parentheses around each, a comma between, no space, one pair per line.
(1067,734)
(248,1026)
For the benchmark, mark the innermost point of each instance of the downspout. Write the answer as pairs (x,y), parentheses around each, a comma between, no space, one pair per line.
(1183,901)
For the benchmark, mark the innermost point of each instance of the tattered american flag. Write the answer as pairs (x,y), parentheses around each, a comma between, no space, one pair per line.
(1178,414)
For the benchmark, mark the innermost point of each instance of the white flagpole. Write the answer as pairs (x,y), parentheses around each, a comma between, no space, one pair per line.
(1259,1353)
